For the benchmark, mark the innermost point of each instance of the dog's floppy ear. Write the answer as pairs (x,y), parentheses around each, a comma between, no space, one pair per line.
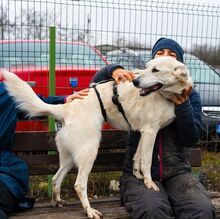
(181,72)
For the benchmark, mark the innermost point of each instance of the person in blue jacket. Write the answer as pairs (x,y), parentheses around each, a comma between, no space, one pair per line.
(13,170)
(181,193)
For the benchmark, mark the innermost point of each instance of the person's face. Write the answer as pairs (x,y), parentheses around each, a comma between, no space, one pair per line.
(165,52)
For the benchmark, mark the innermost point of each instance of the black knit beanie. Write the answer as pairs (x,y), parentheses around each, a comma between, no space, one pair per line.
(165,43)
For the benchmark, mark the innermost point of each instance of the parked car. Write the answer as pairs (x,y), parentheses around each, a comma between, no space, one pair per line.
(76,64)
(125,57)
(207,82)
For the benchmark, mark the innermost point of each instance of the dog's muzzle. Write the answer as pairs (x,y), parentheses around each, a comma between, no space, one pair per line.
(146,90)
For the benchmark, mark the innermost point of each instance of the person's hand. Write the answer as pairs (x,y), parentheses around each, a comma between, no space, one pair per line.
(77,95)
(122,75)
(181,98)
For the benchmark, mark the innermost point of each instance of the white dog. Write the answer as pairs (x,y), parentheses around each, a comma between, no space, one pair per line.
(78,140)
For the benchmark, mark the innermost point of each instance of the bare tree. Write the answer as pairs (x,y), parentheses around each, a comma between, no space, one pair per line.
(208,53)
(71,34)
(32,25)
(5,24)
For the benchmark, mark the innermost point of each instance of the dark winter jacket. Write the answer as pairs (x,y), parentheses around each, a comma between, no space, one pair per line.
(170,149)
(13,170)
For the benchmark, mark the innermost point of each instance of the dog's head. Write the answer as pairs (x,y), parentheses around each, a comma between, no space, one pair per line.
(164,74)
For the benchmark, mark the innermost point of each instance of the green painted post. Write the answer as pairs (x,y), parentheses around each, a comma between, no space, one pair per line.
(52,86)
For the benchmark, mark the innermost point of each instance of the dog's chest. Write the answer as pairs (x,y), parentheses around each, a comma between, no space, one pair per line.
(139,111)
(152,109)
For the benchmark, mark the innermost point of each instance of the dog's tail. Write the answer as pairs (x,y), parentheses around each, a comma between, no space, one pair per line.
(27,99)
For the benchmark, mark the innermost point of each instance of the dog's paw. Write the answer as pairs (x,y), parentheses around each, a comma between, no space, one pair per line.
(59,203)
(93,213)
(151,185)
(137,174)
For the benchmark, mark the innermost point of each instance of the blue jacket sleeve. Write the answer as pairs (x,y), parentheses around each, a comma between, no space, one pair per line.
(189,120)
(53,99)
(105,73)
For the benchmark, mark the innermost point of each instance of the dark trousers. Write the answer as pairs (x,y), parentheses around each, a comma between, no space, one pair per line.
(182,197)
(8,203)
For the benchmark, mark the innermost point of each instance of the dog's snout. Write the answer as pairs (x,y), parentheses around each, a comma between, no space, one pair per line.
(136,82)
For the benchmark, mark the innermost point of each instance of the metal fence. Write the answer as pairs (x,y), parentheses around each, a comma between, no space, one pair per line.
(93,33)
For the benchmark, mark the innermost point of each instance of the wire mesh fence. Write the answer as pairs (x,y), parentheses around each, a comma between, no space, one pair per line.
(93,33)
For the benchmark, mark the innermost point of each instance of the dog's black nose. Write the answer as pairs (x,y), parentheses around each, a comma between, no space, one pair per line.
(136,82)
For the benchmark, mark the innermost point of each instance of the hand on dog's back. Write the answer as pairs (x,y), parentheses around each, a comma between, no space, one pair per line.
(77,95)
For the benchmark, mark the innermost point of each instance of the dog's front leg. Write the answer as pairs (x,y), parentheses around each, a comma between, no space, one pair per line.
(137,162)
(147,140)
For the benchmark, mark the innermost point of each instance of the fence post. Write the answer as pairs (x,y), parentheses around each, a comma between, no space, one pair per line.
(52,85)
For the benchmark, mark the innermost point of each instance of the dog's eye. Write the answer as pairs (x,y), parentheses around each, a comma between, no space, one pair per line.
(154,70)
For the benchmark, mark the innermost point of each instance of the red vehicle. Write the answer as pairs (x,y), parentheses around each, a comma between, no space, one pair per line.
(76,64)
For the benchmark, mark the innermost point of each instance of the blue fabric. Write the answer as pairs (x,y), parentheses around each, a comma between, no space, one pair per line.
(13,170)
(165,43)
(8,118)
(189,120)
(105,73)
(53,99)
(14,173)
(3,215)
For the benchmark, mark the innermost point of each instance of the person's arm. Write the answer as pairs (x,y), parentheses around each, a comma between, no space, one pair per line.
(113,71)
(53,99)
(56,100)
(189,120)
(65,99)
(105,73)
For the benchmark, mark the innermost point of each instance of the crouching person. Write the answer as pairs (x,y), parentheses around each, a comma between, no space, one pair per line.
(13,170)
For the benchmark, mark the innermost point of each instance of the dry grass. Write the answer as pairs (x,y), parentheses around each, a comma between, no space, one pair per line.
(210,169)
(98,185)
